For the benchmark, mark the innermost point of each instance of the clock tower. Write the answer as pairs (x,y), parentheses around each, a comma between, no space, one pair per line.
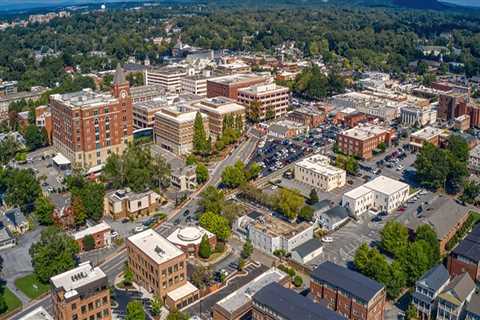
(121,87)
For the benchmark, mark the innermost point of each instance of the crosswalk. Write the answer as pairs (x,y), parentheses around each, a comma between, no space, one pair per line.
(166,228)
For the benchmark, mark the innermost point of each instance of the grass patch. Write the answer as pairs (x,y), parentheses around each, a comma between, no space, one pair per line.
(31,286)
(11,300)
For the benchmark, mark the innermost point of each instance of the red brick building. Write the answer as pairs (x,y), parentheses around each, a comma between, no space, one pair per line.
(101,234)
(43,119)
(361,140)
(349,293)
(309,117)
(228,86)
(88,126)
(466,256)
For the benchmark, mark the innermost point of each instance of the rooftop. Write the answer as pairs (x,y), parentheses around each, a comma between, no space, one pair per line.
(84,98)
(292,306)
(319,164)
(103,226)
(458,289)
(350,281)
(277,227)
(220,105)
(188,235)
(263,88)
(37,314)
(242,296)
(385,185)
(427,133)
(236,78)
(473,306)
(182,291)
(179,113)
(364,131)
(155,246)
(168,70)
(357,192)
(470,246)
(308,247)
(122,194)
(76,278)
(435,278)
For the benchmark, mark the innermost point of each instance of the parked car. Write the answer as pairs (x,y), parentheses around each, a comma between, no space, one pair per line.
(327,239)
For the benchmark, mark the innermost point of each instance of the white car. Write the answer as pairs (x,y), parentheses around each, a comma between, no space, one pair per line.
(327,239)
(114,234)
(139,229)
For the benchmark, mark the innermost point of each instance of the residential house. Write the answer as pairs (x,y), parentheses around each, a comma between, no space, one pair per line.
(15,221)
(454,297)
(466,256)
(307,251)
(333,218)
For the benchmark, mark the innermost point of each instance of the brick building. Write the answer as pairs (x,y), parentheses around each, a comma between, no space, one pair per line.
(451,105)
(89,126)
(466,256)
(121,204)
(161,268)
(349,293)
(361,140)
(426,135)
(310,117)
(81,293)
(188,239)
(228,86)
(43,119)
(101,234)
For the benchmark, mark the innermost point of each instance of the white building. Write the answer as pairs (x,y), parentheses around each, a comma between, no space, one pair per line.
(411,116)
(196,85)
(184,178)
(474,159)
(37,314)
(170,78)
(307,251)
(382,194)
(317,172)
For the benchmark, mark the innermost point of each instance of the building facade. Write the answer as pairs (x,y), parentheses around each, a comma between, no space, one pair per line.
(466,256)
(270,100)
(43,119)
(427,288)
(363,139)
(101,234)
(317,172)
(81,293)
(125,204)
(228,86)
(169,78)
(89,126)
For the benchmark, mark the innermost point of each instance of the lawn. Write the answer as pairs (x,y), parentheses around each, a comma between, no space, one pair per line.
(11,300)
(31,286)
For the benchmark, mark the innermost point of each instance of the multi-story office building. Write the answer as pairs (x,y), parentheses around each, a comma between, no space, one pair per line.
(169,78)
(452,105)
(466,256)
(272,100)
(275,302)
(415,116)
(427,288)
(7,87)
(144,113)
(121,204)
(382,194)
(174,127)
(217,109)
(89,126)
(196,85)
(161,268)
(81,293)
(146,93)
(349,293)
(363,139)
(455,297)
(228,86)
(6,100)
(317,172)
(426,135)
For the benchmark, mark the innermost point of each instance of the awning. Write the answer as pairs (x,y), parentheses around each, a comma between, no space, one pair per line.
(61,160)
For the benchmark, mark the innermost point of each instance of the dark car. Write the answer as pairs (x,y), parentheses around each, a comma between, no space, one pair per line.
(377,218)
(186,213)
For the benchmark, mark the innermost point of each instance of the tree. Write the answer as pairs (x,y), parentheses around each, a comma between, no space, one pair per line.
(200,141)
(202,173)
(127,276)
(394,238)
(253,171)
(216,224)
(416,261)
(212,200)
(254,111)
(411,312)
(177,315)
(241,264)
(306,213)
(202,276)
(135,311)
(297,281)
(8,148)
(34,137)
(204,250)
(78,211)
(92,196)
(458,147)
(247,249)
(234,176)
(397,280)
(44,211)
(426,233)
(156,306)
(313,198)
(288,202)
(113,171)
(471,190)
(54,253)
(21,186)
(88,242)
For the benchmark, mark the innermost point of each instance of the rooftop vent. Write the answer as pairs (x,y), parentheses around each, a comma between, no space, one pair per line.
(159,251)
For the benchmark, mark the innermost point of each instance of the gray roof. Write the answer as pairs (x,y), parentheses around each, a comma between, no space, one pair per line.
(119,77)
(291,306)
(4,233)
(308,247)
(348,280)
(321,205)
(254,215)
(470,246)
(435,278)
(473,306)
(15,217)
(337,213)
(458,289)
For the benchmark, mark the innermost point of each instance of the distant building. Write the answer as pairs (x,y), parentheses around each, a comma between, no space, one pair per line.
(161,268)
(6,238)
(271,99)
(169,78)
(81,293)
(317,172)
(474,159)
(144,113)
(414,116)
(426,135)
(381,193)
(188,239)
(101,234)
(238,304)
(7,87)
(6,100)
(184,178)
(309,117)
(146,93)
(347,292)
(121,204)
(15,221)
(37,314)
(43,119)
(228,86)
(455,296)
(285,129)
(307,251)
(427,288)
(466,256)
(89,126)
(274,302)
(361,140)
(196,85)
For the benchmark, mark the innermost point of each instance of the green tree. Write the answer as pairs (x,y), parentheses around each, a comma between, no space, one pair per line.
(8,149)
(135,311)
(247,249)
(426,233)
(471,190)
(212,200)
(397,280)
(78,211)
(297,281)
(44,211)
(54,253)
(156,304)
(177,315)
(34,137)
(88,242)
(253,171)
(288,202)
(394,238)
(204,250)
(21,188)
(306,213)
(202,173)
(127,276)
(411,312)
(234,176)
(313,198)
(416,261)
(216,224)
(200,141)
(113,171)
(254,111)
(241,264)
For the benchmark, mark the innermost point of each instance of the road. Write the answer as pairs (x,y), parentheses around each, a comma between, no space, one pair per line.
(115,264)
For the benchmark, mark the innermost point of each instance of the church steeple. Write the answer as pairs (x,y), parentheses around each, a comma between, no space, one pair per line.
(120,85)
(119,77)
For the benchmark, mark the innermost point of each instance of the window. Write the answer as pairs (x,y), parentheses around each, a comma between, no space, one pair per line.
(74,306)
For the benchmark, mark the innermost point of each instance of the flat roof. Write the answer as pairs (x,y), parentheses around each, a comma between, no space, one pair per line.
(220,105)
(234,78)
(75,278)
(427,133)
(277,227)
(319,164)
(183,291)
(188,235)
(263,88)
(84,98)
(385,185)
(155,246)
(358,192)
(179,113)
(103,226)
(364,131)
(37,314)
(242,296)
